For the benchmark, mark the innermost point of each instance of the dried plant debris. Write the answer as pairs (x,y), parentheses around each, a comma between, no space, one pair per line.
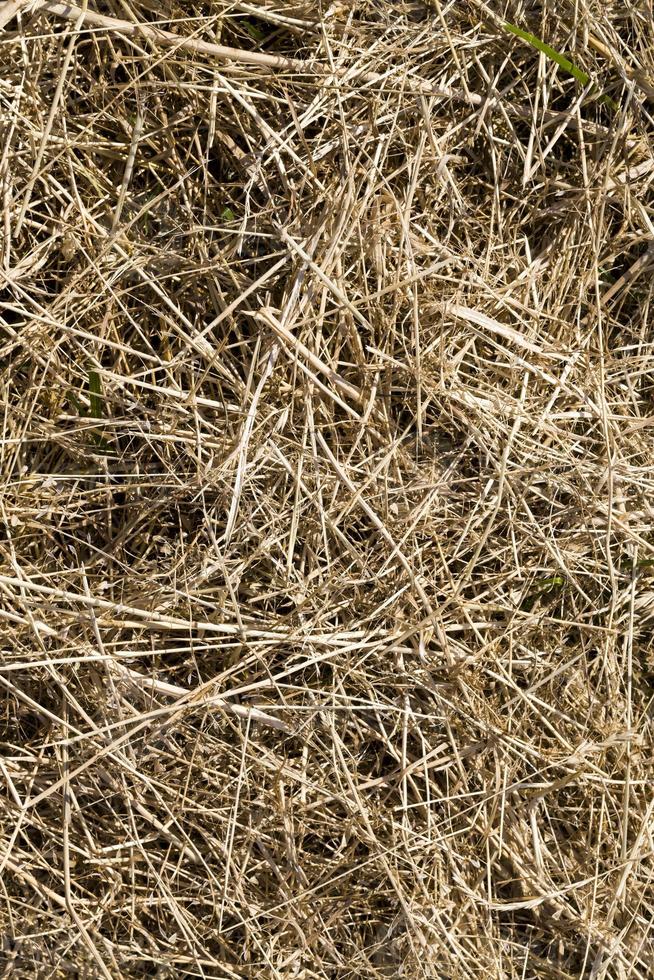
(327,461)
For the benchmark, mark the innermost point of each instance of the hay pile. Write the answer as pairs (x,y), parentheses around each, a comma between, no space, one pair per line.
(327,538)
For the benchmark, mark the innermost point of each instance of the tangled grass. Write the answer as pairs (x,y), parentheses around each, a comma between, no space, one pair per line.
(327,470)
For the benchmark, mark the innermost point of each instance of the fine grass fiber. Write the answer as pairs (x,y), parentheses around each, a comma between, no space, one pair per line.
(326,489)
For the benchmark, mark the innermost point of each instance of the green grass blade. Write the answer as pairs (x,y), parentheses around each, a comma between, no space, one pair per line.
(253,30)
(95,395)
(547,584)
(96,410)
(560,59)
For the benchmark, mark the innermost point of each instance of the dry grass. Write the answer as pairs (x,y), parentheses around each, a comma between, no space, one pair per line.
(327,472)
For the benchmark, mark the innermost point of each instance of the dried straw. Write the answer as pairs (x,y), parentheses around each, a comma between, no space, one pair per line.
(327,372)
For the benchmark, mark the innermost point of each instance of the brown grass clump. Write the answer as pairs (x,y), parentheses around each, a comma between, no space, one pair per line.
(327,374)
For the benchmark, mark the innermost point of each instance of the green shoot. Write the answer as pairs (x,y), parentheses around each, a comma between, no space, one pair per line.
(95,395)
(560,59)
(251,28)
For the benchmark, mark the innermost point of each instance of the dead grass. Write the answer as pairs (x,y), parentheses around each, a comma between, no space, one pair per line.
(327,470)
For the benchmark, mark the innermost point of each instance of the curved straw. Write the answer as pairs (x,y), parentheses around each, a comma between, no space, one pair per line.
(69,11)
(9,10)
